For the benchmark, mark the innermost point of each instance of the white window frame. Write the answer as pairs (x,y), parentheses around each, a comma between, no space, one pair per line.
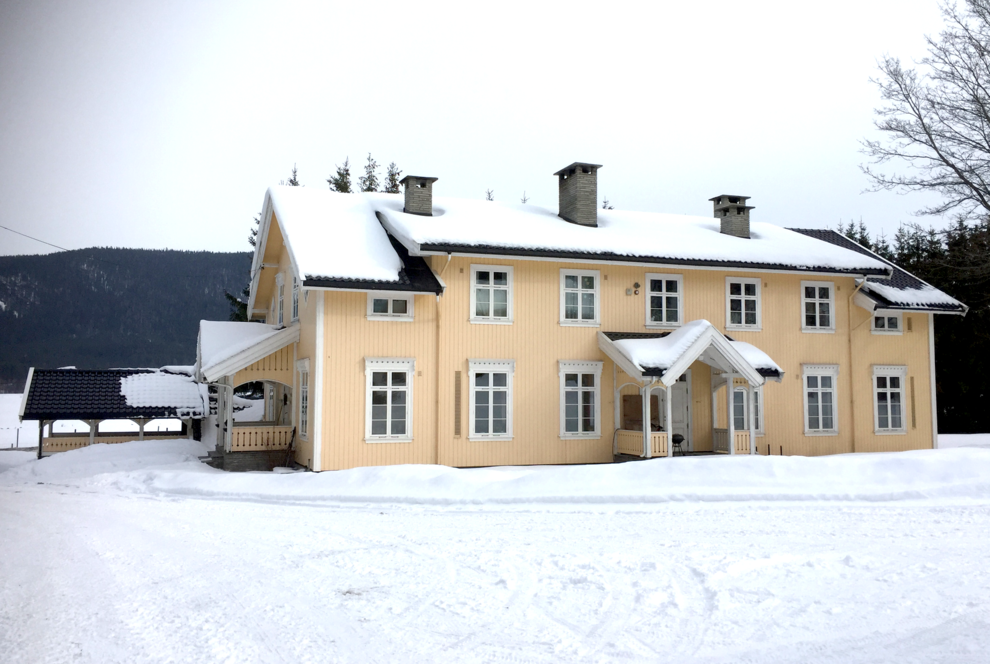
(491,366)
(819,329)
(679,278)
(885,314)
(302,368)
(758,391)
(889,371)
(759,303)
(492,320)
(280,286)
(389,364)
(580,322)
(580,367)
(295,299)
(831,370)
(391,296)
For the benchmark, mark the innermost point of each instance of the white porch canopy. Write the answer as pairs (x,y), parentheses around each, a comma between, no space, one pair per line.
(657,360)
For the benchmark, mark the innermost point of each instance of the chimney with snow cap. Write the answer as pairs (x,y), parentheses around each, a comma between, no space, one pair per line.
(579,193)
(733,213)
(419,194)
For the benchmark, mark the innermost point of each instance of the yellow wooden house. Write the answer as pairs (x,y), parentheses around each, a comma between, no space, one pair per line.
(403,328)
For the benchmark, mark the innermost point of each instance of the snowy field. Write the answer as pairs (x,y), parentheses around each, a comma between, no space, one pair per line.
(139,553)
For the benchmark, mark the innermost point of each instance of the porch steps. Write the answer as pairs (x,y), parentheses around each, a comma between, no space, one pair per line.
(213,459)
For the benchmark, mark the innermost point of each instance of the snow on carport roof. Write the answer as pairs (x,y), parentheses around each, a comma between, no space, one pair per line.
(619,236)
(334,235)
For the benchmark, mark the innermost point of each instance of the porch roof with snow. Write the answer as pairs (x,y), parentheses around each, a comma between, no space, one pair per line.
(110,394)
(666,355)
(224,347)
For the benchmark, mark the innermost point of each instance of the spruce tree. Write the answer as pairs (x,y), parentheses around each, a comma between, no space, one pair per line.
(369,181)
(293,181)
(606,205)
(341,182)
(489,194)
(392,178)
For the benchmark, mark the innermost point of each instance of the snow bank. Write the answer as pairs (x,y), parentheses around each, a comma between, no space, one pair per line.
(951,440)
(171,468)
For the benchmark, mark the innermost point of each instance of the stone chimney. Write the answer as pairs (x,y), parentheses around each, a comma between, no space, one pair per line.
(733,213)
(419,194)
(579,193)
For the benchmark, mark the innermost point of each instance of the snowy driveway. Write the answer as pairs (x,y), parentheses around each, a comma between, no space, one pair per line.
(94,576)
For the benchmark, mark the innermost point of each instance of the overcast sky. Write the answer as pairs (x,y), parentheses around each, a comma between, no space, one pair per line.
(161,124)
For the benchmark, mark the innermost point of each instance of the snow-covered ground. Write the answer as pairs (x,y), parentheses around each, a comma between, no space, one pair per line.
(950,440)
(137,552)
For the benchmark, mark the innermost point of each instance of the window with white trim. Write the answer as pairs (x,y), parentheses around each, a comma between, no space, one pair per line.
(491,294)
(888,399)
(817,306)
(295,299)
(388,410)
(742,303)
(490,403)
(302,366)
(580,399)
(390,306)
(579,297)
(820,417)
(740,409)
(664,300)
(887,322)
(280,281)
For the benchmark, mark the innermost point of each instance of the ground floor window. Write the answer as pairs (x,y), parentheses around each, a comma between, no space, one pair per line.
(388,399)
(302,366)
(490,405)
(888,399)
(819,399)
(740,409)
(580,399)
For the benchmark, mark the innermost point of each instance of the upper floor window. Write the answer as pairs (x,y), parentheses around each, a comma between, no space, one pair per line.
(888,399)
(742,303)
(491,294)
(295,299)
(390,306)
(580,399)
(579,297)
(388,399)
(818,306)
(887,322)
(490,405)
(280,311)
(664,300)
(819,399)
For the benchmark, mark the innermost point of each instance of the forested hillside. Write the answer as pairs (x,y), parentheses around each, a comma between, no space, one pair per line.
(100,308)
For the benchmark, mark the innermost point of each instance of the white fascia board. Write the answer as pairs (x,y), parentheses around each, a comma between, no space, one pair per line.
(24,397)
(365,290)
(252,354)
(259,249)
(608,347)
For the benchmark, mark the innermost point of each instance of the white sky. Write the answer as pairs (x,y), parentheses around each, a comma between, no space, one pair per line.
(151,124)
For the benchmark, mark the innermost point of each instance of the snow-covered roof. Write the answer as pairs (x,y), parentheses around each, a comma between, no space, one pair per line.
(340,236)
(160,388)
(226,347)
(666,355)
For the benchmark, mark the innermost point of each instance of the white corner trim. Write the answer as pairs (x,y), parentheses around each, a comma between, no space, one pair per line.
(931,375)
(316,393)
(24,397)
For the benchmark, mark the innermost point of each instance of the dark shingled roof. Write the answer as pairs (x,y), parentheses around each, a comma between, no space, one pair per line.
(415,277)
(84,394)
(900,279)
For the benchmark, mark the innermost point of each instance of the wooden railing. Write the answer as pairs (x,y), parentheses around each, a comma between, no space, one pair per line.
(631,442)
(720,439)
(62,443)
(246,439)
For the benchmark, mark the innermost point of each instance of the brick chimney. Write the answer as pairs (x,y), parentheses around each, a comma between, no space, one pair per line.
(733,213)
(419,194)
(579,193)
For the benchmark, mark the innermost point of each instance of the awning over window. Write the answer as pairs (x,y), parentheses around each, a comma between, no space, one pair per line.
(646,356)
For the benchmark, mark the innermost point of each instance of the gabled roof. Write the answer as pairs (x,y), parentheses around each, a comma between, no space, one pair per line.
(100,394)
(666,355)
(225,347)
(901,291)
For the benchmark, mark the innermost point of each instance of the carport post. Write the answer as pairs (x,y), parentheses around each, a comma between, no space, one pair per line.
(647,447)
(41,436)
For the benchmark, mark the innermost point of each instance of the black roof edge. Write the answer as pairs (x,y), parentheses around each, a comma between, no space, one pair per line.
(620,258)
(415,277)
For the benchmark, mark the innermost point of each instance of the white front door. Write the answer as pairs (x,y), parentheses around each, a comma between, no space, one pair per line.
(680,410)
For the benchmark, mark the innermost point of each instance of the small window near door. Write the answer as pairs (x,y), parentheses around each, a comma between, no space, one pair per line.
(887,322)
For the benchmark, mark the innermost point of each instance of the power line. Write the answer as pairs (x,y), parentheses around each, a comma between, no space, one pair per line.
(55,245)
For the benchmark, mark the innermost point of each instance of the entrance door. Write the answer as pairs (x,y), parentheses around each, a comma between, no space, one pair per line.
(680,409)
